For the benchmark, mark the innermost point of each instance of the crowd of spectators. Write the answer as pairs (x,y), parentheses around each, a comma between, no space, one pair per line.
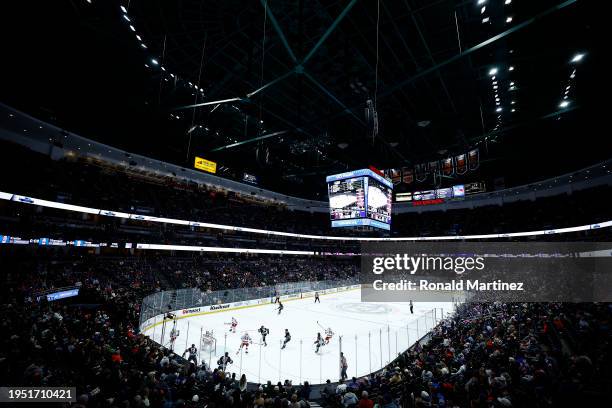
(487,355)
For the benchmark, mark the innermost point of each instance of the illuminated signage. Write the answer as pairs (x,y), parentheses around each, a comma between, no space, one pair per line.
(205,165)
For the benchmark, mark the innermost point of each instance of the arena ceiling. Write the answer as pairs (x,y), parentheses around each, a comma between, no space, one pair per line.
(445,76)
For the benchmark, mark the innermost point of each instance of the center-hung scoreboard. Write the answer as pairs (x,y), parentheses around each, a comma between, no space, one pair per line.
(360,198)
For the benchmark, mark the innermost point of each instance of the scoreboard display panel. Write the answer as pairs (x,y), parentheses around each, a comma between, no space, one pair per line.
(360,198)
(347,199)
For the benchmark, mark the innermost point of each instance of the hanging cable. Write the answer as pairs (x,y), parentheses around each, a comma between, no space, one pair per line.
(161,74)
(263,55)
(458,36)
(195,101)
(375,113)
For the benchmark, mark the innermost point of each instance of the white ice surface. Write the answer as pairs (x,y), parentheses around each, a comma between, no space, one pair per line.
(372,335)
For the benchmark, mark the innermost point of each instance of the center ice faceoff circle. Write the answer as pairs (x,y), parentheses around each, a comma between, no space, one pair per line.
(362,307)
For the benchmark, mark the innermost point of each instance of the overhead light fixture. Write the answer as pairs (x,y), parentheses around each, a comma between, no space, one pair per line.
(123,9)
(513,110)
(494,86)
(142,45)
(493,71)
(498,109)
(485,20)
(132,28)
(126,17)
(511,83)
(513,102)
(508,19)
(564,104)
(507,1)
(481,2)
(578,57)
(138,37)
(154,61)
(483,9)
(511,68)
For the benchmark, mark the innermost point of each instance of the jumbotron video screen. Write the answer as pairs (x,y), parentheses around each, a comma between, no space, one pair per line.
(360,198)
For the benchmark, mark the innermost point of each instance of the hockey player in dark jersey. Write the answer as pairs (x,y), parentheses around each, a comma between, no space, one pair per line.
(287,338)
(264,332)
(319,342)
(193,351)
(280,307)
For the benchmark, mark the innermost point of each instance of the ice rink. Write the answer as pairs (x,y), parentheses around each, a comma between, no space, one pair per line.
(369,334)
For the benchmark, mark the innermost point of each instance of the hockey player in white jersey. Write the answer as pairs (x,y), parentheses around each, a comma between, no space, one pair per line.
(245,340)
(328,335)
(233,325)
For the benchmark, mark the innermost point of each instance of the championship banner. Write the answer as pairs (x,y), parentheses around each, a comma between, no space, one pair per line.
(205,165)
(396,176)
(420,172)
(461,163)
(407,175)
(434,167)
(447,167)
(474,159)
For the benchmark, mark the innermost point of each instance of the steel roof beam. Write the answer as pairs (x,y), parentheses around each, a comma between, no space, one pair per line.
(279,30)
(329,31)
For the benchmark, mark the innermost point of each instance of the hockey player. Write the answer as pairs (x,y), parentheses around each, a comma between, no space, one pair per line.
(224,361)
(328,335)
(245,341)
(280,307)
(287,338)
(317,297)
(233,325)
(319,342)
(411,308)
(193,351)
(276,297)
(264,332)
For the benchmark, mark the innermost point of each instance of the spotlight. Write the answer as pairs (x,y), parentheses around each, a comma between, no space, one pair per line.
(564,104)
(578,57)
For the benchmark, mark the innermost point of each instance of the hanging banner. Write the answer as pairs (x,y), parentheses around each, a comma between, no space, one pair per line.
(396,176)
(447,167)
(408,175)
(474,159)
(420,172)
(434,167)
(461,163)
